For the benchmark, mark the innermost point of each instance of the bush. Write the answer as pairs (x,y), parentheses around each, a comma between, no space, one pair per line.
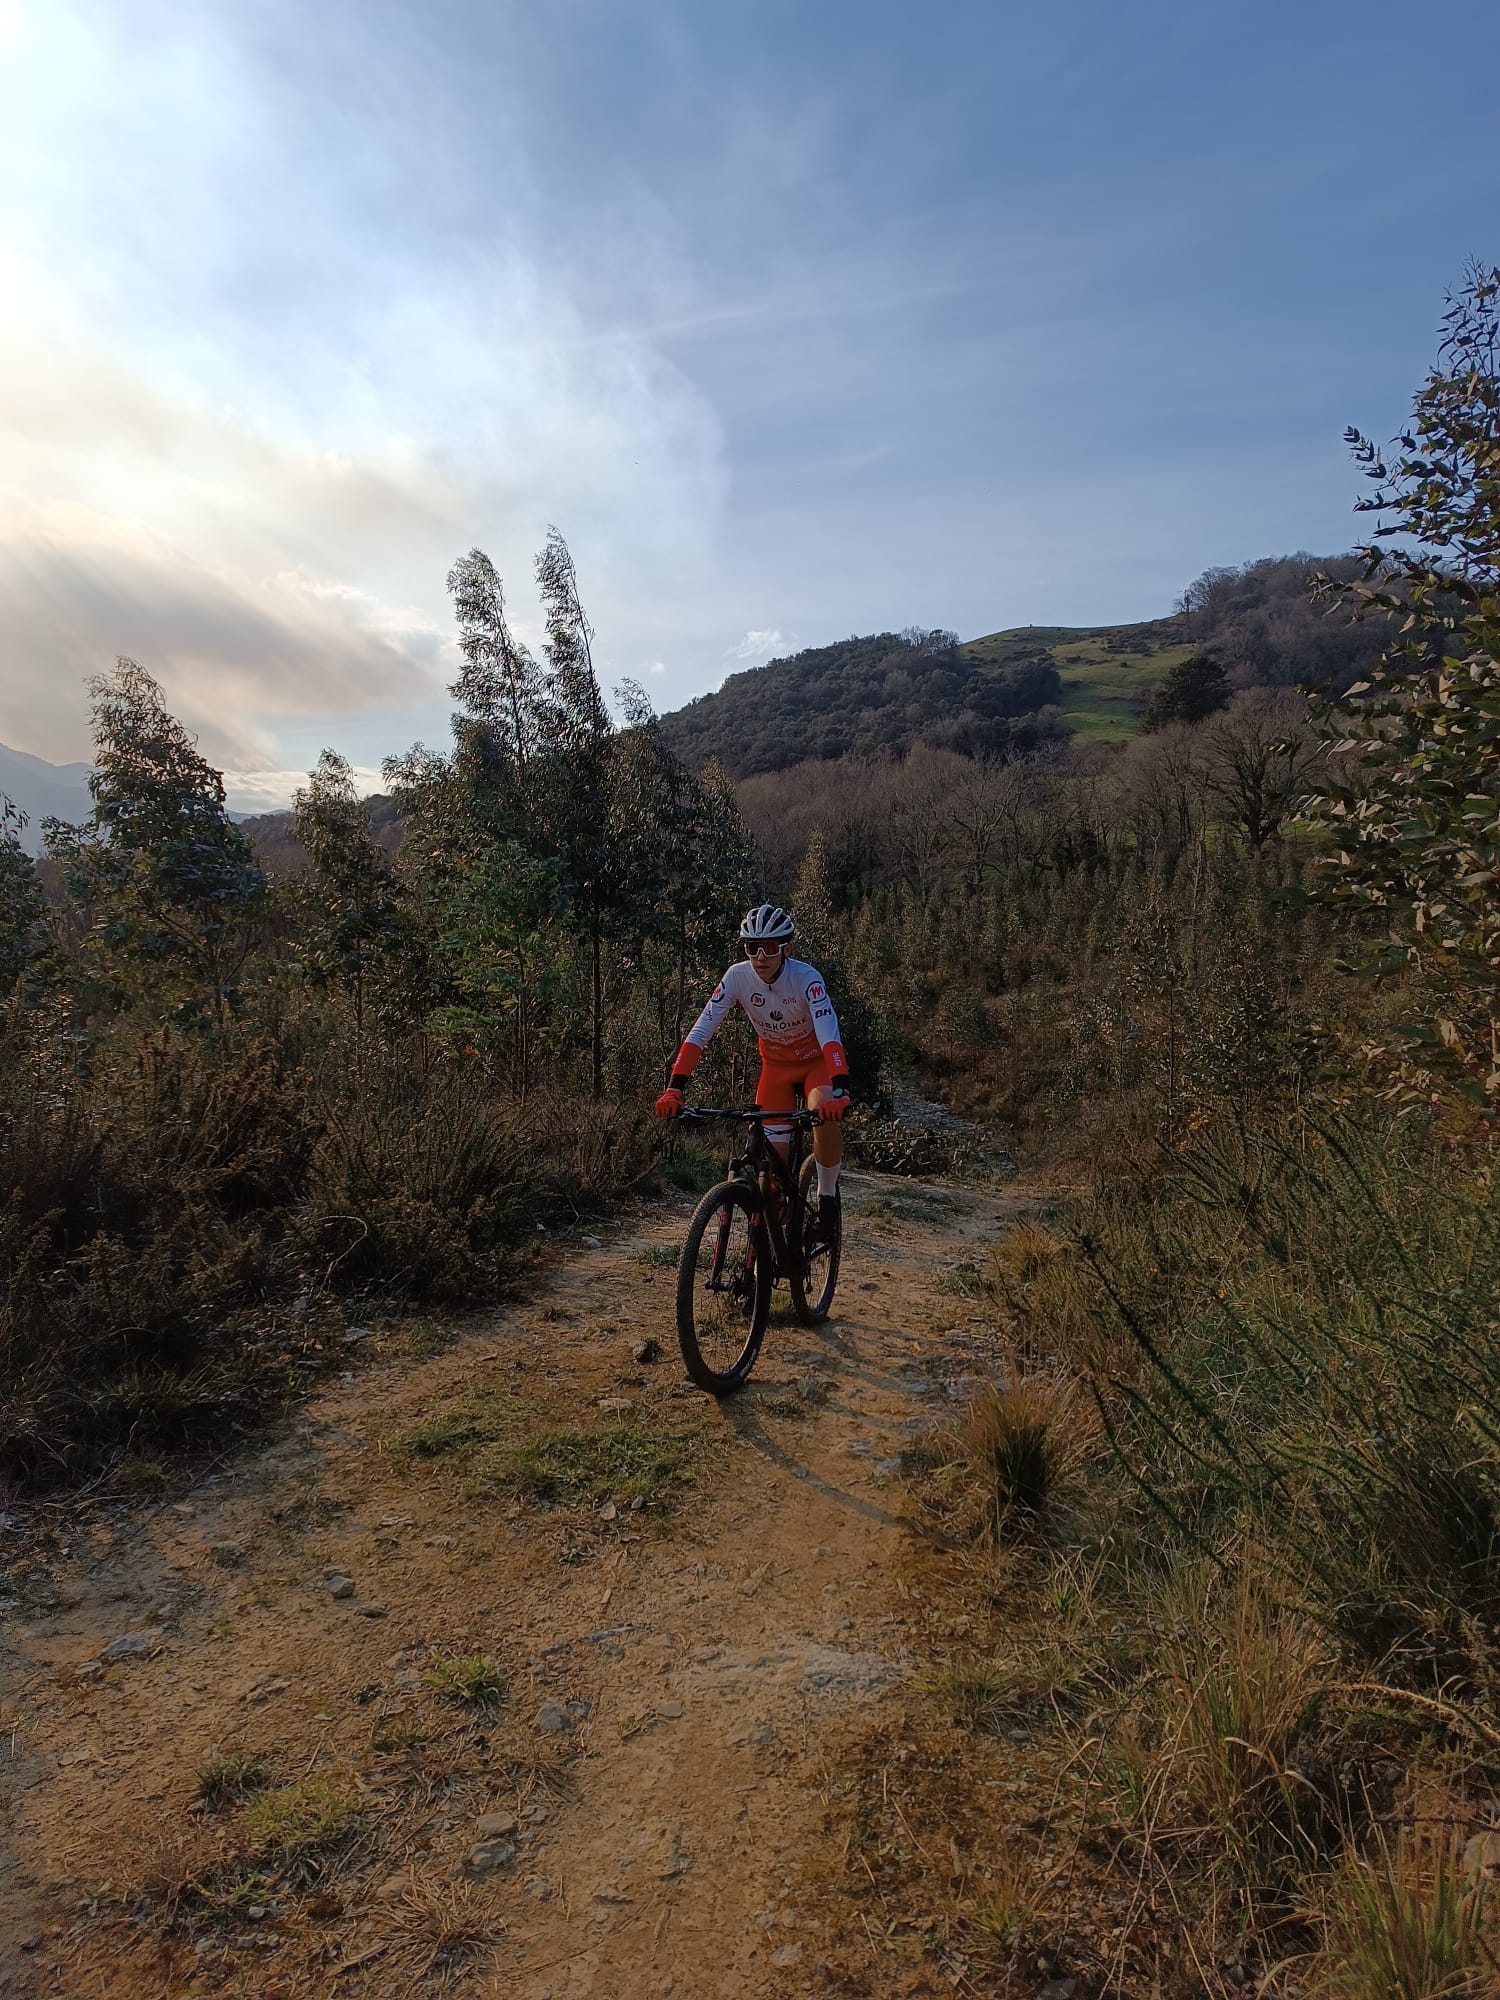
(178,1204)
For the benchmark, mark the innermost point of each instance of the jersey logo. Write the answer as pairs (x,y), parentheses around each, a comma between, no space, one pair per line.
(718,992)
(774,1015)
(815,991)
(757,999)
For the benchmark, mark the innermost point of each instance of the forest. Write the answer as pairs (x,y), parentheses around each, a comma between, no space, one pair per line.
(1229,990)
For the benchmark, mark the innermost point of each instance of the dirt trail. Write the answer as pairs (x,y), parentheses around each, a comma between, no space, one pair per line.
(678,1692)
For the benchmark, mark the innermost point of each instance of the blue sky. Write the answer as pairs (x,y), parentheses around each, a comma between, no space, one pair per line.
(798,320)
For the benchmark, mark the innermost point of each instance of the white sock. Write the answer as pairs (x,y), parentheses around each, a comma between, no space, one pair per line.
(828,1179)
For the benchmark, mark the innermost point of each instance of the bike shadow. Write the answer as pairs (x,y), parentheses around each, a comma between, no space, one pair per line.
(746,1424)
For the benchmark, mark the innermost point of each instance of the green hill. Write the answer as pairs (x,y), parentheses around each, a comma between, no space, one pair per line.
(1106,671)
(870,696)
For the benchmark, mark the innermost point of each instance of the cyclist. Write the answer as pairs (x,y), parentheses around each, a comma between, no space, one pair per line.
(798,1034)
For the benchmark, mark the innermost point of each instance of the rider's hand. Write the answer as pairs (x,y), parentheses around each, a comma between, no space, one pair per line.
(833,1107)
(669,1104)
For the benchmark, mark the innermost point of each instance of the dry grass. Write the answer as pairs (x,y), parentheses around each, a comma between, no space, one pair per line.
(1406,1922)
(435,1932)
(1026,1441)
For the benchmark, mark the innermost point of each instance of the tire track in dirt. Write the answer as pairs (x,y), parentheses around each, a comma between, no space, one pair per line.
(640,1815)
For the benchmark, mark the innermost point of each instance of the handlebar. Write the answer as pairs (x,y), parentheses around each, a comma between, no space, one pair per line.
(753,1115)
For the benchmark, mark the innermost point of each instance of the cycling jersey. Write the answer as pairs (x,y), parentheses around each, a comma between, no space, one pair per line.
(793,1017)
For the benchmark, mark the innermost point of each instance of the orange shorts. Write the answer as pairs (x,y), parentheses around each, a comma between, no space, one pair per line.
(780,1082)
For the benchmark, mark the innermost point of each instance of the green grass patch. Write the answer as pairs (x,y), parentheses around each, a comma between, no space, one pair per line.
(301,1820)
(1106,671)
(661,1256)
(230,1776)
(474,1679)
(484,1416)
(620,1462)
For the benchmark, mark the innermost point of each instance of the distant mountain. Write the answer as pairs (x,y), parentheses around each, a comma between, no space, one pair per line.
(43,790)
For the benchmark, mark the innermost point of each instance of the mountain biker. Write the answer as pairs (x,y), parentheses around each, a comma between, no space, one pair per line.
(798,1035)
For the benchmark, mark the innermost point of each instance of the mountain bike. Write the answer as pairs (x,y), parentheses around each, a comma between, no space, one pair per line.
(755,1228)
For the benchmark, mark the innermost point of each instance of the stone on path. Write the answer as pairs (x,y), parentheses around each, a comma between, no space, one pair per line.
(832,1671)
(131,1646)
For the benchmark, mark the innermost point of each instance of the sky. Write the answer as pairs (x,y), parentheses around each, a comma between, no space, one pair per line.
(797,320)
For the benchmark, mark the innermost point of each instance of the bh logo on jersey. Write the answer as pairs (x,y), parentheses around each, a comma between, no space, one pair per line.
(815,991)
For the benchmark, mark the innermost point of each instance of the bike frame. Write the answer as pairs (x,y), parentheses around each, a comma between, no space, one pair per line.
(760,1158)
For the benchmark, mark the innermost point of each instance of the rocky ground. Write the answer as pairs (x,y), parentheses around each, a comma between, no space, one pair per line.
(511,1666)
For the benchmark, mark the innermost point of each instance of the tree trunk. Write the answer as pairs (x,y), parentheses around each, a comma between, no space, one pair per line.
(598,979)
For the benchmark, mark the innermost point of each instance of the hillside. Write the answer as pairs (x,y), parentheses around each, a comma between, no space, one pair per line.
(891,692)
(885,692)
(1105,672)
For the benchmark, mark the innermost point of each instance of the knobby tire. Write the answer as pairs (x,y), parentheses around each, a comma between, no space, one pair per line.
(812,1287)
(713,1324)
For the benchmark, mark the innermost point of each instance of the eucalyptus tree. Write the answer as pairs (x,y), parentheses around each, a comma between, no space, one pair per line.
(170,886)
(351,917)
(1411,793)
(23,906)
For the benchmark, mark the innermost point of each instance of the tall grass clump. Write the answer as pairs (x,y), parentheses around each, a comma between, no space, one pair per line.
(1317,1357)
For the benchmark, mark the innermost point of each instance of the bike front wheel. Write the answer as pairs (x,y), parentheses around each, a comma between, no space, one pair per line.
(723,1288)
(814,1278)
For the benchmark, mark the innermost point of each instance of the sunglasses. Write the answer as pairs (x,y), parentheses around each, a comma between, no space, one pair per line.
(756,950)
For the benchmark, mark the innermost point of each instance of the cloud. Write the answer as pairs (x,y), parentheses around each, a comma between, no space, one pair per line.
(250,419)
(269,791)
(757,646)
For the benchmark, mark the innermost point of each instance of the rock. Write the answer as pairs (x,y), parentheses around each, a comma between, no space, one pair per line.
(552,1718)
(608,1511)
(340,1585)
(370,1610)
(832,1671)
(787,1954)
(487,1857)
(670,1711)
(637,1503)
(535,1815)
(1057,1989)
(616,1406)
(580,1709)
(859,1446)
(495,1826)
(886,1466)
(594,1242)
(647,1350)
(89,1671)
(357,1333)
(392,1887)
(131,1646)
(538,1886)
(610,1892)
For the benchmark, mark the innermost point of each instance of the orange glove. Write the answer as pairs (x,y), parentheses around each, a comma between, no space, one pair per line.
(833,1107)
(669,1104)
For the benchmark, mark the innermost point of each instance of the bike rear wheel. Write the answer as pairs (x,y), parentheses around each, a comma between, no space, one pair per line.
(813,1280)
(723,1288)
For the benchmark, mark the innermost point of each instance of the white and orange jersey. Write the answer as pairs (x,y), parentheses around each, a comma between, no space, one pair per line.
(793,1016)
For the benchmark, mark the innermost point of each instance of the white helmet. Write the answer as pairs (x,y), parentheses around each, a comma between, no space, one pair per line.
(769,924)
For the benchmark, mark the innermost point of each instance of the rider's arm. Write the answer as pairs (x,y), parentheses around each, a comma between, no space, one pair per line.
(826,1028)
(703,1030)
